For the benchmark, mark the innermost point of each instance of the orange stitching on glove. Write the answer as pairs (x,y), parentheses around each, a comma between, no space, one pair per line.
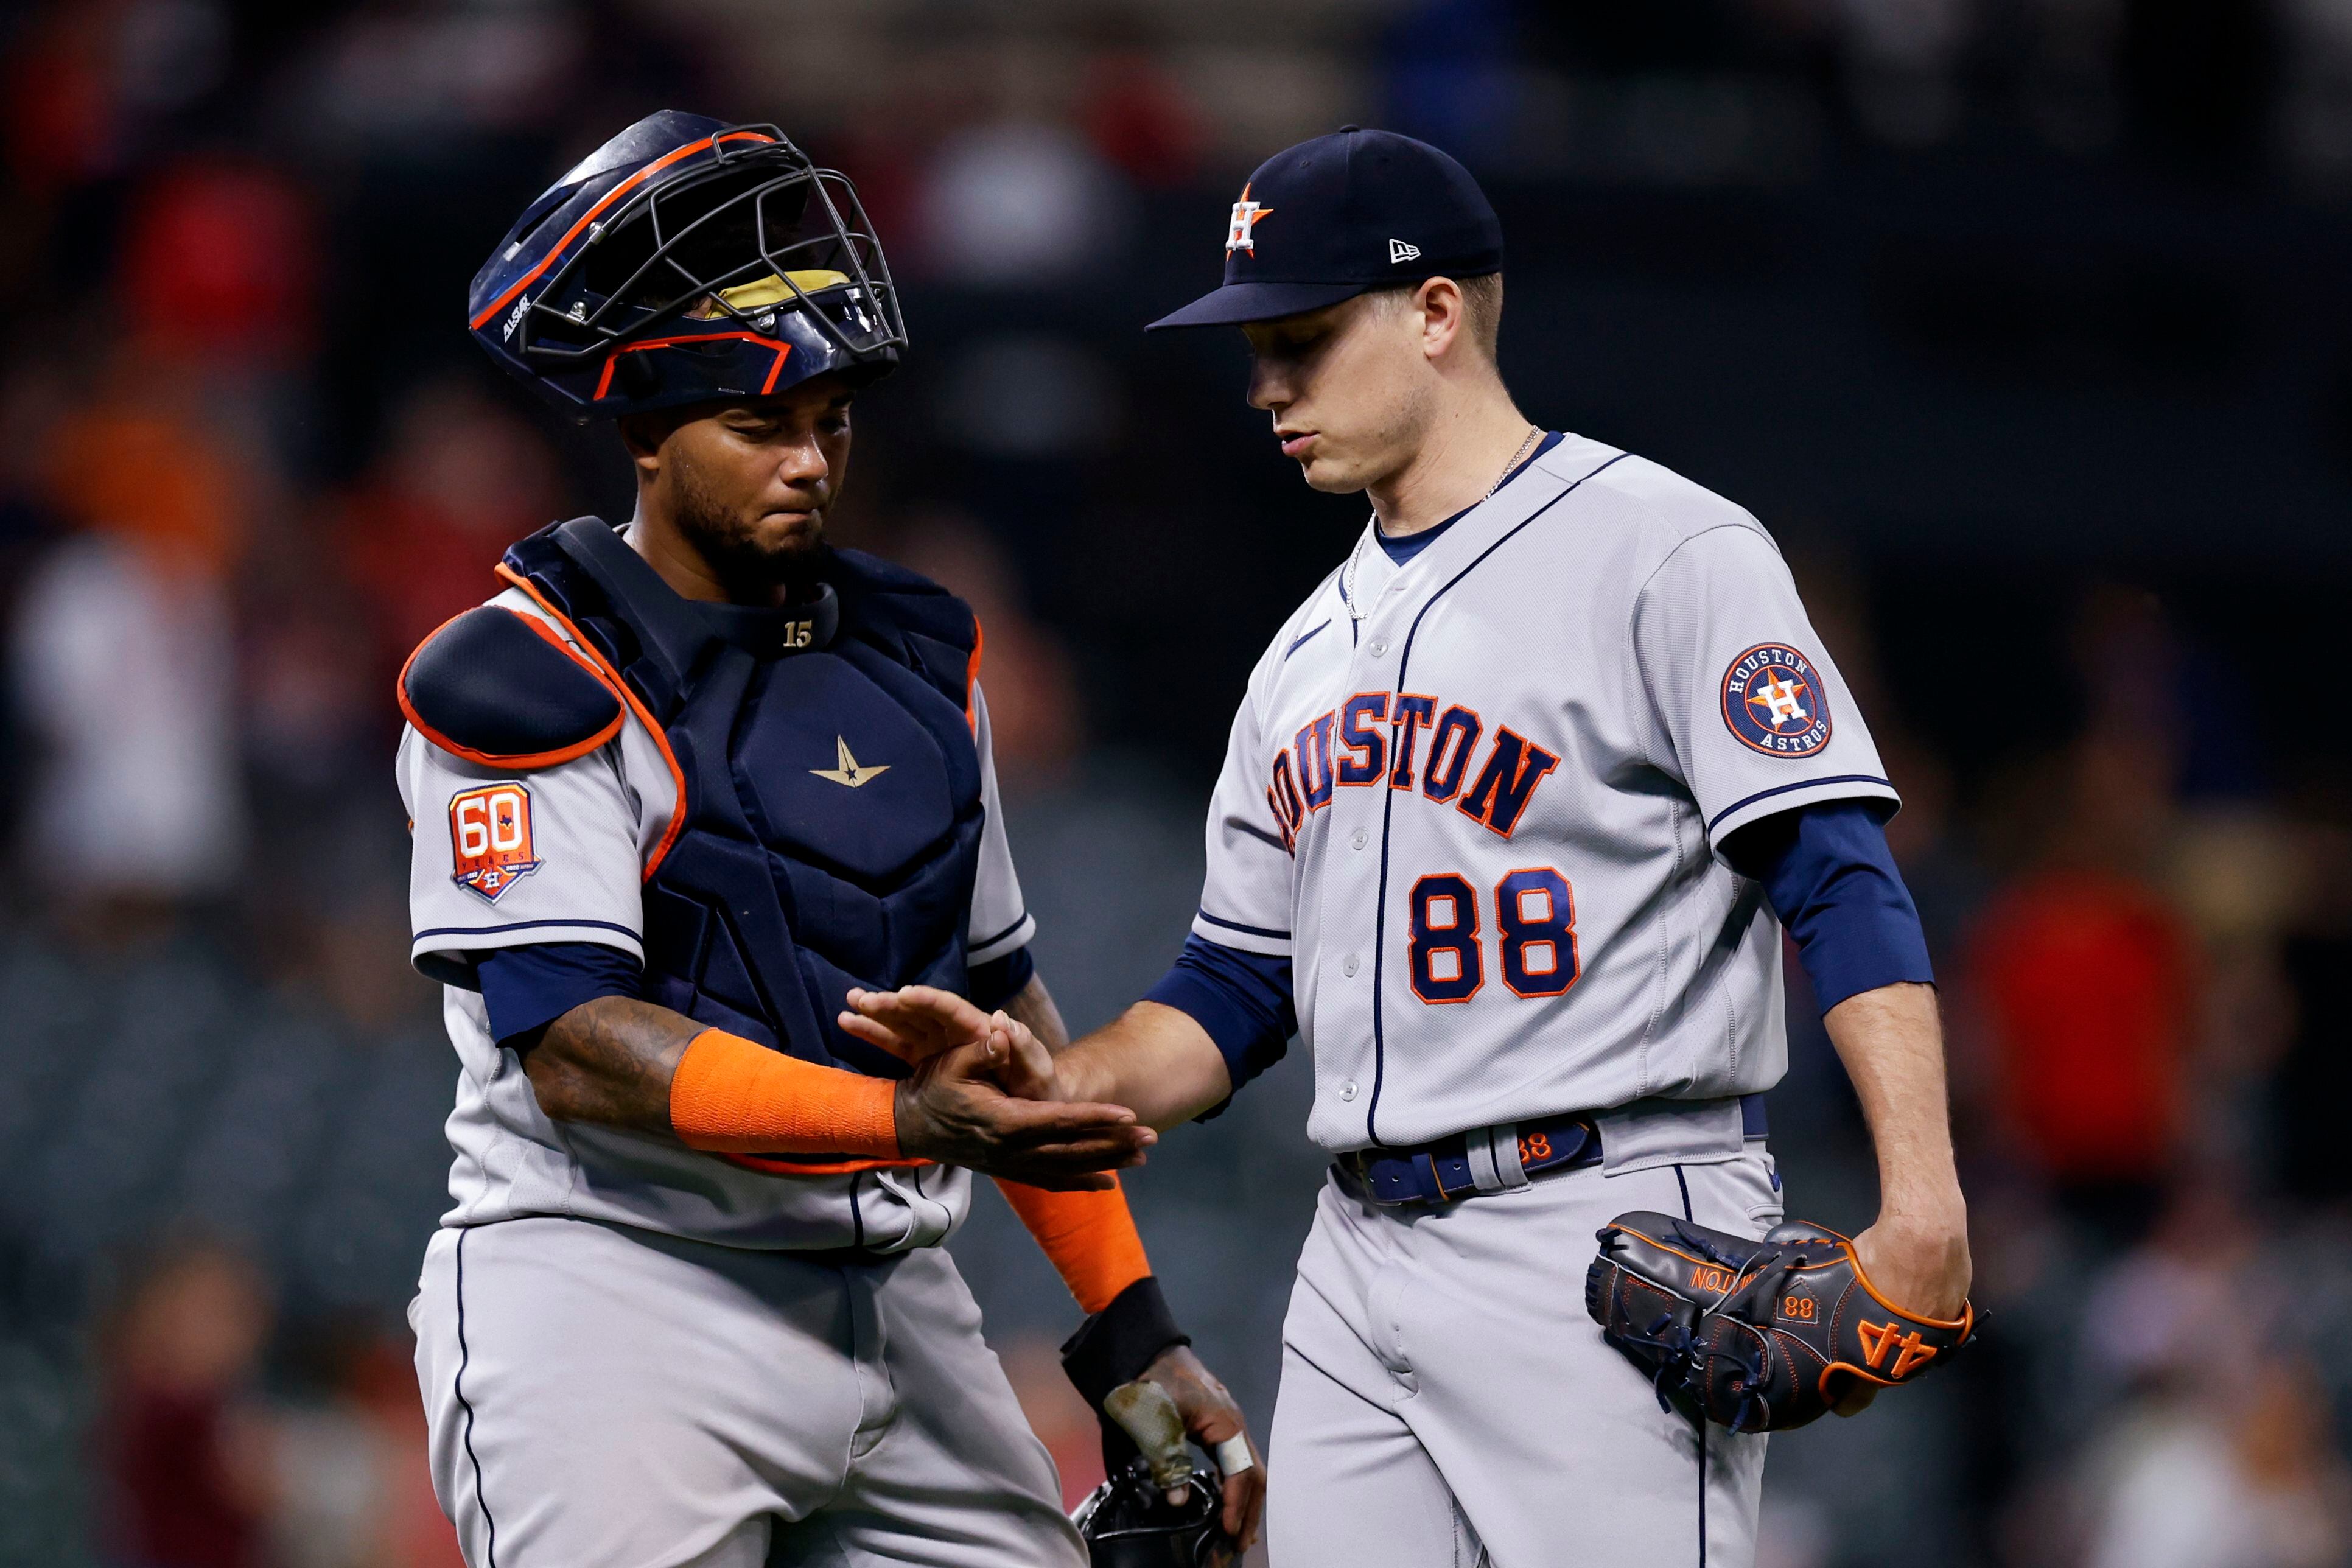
(734,1096)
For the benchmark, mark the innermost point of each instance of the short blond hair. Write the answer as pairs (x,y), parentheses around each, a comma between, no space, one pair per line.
(1483,296)
(1482,307)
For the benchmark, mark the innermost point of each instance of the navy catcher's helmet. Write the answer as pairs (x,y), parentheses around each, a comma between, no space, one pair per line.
(683,261)
(1129,1522)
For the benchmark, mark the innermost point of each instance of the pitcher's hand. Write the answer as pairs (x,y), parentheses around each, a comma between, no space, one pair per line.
(953,1110)
(1920,1264)
(919,1022)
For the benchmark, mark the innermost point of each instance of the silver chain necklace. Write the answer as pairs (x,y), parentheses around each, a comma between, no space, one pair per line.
(1348,572)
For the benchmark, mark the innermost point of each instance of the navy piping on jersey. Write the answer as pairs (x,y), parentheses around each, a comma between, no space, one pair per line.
(1302,641)
(1680,1181)
(1825,867)
(523,925)
(1246,931)
(1000,936)
(527,987)
(1388,804)
(1800,783)
(1402,548)
(457,1388)
(1262,836)
(1702,1494)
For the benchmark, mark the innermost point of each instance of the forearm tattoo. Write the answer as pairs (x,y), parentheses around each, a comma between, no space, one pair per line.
(610,1061)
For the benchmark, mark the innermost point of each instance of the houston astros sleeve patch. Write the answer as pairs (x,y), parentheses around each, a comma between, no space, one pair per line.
(1776,702)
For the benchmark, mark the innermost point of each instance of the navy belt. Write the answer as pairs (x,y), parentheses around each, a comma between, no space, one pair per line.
(1448,1168)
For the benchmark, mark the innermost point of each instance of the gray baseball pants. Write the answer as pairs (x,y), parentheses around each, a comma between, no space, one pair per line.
(1446,1401)
(600,1397)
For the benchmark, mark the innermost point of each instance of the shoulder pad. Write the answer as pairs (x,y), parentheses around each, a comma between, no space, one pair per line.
(907,600)
(934,632)
(500,688)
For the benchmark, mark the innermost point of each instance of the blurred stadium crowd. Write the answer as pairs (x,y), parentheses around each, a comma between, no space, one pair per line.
(2021,322)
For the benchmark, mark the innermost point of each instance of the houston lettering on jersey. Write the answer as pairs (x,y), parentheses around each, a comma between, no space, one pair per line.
(1413,742)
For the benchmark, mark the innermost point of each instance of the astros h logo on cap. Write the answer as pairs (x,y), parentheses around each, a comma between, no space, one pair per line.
(1361,210)
(1247,214)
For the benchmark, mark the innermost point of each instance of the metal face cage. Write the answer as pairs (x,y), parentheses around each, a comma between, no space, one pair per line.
(759,209)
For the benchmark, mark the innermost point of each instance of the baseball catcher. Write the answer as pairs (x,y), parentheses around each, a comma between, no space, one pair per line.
(678,789)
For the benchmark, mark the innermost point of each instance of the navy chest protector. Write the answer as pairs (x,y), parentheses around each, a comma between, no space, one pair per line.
(828,829)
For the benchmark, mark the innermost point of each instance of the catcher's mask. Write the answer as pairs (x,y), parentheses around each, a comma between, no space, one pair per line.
(1129,1522)
(687,261)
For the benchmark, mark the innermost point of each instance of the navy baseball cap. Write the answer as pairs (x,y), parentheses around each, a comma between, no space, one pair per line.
(1333,217)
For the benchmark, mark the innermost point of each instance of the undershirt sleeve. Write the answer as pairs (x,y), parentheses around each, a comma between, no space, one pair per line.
(525,989)
(991,984)
(1833,881)
(1242,1000)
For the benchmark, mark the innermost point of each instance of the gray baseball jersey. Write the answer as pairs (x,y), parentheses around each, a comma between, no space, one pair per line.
(1479,799)
(568,847)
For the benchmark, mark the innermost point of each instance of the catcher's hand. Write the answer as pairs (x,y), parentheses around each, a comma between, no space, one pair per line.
(1758,1336)
(1176,1398)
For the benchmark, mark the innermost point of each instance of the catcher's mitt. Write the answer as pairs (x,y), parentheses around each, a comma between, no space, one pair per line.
(1758,1336)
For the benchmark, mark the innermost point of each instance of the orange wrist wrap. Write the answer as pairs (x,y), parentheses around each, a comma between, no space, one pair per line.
(1090,1238)
(734,1096)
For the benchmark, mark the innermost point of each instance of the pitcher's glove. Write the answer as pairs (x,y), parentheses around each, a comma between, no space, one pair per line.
(1758,1336)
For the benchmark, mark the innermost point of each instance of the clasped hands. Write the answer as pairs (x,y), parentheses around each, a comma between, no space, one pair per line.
(984,1094)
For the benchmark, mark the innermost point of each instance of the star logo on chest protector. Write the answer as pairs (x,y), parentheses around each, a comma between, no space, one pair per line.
(849,771)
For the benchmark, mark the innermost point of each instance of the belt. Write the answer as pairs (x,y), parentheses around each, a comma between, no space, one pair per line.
(1495,1159)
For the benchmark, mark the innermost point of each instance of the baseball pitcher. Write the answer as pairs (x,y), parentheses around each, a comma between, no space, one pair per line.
(1516,810)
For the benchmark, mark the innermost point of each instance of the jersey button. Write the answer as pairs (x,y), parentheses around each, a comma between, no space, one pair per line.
(1347,1089)
(1376,648)
(1360,839)
(1350,967)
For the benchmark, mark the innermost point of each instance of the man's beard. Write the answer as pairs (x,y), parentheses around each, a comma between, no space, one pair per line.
(750,569)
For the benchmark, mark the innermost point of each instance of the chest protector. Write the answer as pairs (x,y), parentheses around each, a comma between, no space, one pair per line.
(828,824)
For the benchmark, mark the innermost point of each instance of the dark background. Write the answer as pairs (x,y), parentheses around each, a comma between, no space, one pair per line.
(2021,323)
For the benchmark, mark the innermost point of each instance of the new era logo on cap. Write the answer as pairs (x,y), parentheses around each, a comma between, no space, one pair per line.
(1400,251)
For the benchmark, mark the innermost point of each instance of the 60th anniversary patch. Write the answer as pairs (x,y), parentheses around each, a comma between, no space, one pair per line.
(1773,701)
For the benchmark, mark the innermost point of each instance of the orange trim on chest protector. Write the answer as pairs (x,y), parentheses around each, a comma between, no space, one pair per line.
(645,715)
